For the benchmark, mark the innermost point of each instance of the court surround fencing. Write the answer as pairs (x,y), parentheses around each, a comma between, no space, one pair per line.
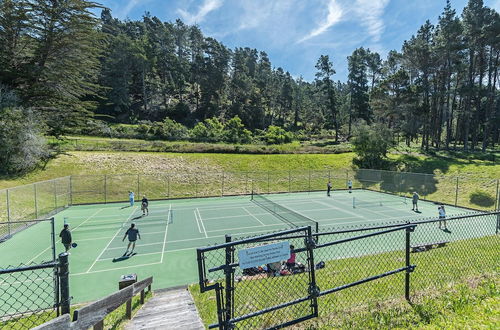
(36,290)
(43,199)
(383,263)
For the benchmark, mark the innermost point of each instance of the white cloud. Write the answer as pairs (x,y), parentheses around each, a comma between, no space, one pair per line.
(333,17)
(369,13)
(127,9)
(206,7)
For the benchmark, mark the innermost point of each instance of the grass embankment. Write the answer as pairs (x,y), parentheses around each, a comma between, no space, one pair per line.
(115,320)
(379,303)
(88,143)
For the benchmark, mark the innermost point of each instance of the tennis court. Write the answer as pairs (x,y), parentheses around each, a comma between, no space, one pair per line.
(175,228)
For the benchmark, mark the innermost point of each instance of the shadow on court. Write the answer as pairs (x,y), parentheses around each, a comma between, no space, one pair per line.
(125,257)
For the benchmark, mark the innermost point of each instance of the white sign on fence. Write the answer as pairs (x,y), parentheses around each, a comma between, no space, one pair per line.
(264,254)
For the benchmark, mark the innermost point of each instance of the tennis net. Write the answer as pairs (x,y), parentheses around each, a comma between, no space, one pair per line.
(283,213)
(356,202)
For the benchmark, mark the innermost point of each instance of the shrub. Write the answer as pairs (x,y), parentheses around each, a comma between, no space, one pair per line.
(235,131)
(277,135)
(211,130)
(371,144)
(482,198)
(170,129)
(22,145)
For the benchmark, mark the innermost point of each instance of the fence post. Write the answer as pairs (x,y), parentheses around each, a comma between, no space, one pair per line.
(222,185)
(105,189)
(309,190)
(36,200)
(246,183)
(409,268)
(138,185)
(168,185)
(64,282)
(289,181)
(268,189)
(229,284)
(55,195)
(498,195)
(71,190)
(8,212)
(456,193)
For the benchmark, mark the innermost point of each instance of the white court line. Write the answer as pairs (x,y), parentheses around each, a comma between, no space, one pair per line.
(253,216)
(196,217)
(118,268)
(357,216)
(166,231)
(258,226)
(137,245)
(201,221)
(135,256)
(130,216)
(59,240)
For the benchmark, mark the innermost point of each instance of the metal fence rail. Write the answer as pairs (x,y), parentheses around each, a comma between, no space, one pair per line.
(347,269)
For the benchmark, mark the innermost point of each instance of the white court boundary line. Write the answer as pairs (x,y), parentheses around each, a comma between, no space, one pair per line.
(166,231)
(201,220)
(253,216)
(129,217)
(197,223)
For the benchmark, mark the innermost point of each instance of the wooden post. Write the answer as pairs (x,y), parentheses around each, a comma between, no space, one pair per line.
(142,296)
(99,325)
(129,309)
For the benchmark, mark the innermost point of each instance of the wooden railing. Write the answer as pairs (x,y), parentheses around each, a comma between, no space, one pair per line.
(93,314)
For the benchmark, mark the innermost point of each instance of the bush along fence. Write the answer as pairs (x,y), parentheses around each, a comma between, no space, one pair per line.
(42,199)
(37,290)
(342,271)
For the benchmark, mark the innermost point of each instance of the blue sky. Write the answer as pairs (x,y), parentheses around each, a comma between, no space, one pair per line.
(294,33)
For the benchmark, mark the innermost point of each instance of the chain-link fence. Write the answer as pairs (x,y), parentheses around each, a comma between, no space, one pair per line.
(42,199)
(30,274)
(342,271)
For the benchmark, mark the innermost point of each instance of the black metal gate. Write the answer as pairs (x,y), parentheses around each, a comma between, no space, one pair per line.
(271,296)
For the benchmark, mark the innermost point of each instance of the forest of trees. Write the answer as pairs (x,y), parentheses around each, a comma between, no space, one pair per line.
(68,68)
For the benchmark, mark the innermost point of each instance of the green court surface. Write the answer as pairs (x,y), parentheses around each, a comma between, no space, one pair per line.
(174,229)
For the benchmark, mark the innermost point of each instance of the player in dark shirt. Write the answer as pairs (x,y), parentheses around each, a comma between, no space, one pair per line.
(144,206)
(66,238)
(132,234)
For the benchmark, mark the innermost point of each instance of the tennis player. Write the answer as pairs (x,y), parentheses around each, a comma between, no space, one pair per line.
(349,186)
(66,238)
(442,216)
(131,197)
(328,188)
(144,205)
(133,234)
(415,199)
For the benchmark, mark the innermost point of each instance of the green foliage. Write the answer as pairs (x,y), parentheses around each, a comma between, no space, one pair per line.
(170,130)
(277,135)
(211,130)
(235,131)
(482,198)
(22,145)
(371,144)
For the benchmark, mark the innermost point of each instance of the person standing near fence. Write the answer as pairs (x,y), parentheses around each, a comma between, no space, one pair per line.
(415,199)
(131,197)
(66,238)
(144,205)
(133,234)
(328,188)
(349,186)
(442,217)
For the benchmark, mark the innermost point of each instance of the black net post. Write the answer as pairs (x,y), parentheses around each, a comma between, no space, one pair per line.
(64,282)
(313,288)
(8,213)
(229,284)
(408,265)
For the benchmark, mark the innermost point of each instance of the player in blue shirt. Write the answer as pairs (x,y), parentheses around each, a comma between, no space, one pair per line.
(133,234)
